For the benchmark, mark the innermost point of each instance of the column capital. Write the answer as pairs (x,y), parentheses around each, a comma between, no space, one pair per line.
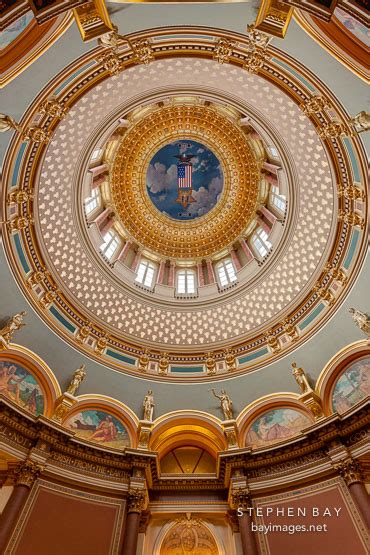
(27,473)
(136,500)
(240,498)
(349,470)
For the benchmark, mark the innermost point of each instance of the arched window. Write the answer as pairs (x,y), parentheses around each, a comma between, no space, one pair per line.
(110,245)
(93,201)
(260,241)
(186,282)
(145,273)
(273,151)
(226,272)
(96,154)
(277,199)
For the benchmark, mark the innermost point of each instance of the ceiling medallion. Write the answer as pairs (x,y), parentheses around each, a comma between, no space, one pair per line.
(184,180)
(309,279)
(176,224)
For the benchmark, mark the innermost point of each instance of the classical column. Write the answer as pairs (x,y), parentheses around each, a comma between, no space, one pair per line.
(100,219)
(136,501)
(136,260)
(247,251)
(272,168)
(264,225)
(98,170)
(107,226)
(160,275)
(98,181)
(268,215)
(350,471)
(211,272)
(242,503)
(26,476)
(171,275)
(200,274)
(271,178)
(124,251)
(235,259)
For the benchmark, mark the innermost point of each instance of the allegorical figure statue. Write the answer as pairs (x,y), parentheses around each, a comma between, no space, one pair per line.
(361,121)
(226,403)
(14,324)
(7,123)
(361,319)
(301,378)
(148,406)
(75,382)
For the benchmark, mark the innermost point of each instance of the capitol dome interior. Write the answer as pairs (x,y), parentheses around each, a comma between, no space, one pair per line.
(184,308)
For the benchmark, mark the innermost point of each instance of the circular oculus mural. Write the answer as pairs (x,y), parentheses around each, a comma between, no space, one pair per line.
(184,180)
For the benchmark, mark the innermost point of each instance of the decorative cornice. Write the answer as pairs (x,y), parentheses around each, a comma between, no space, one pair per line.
(67,456)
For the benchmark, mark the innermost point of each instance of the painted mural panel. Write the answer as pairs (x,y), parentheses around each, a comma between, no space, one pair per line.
(276,425)
(184,180)
(189,536)
(358,29)
(100,427)
(352,386)
(14,30)
(19,385)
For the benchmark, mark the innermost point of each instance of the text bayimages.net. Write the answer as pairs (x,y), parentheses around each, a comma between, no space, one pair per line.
(291,512)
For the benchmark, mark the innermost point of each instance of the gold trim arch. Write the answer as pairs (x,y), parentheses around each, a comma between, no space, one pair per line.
(157,549)
(187,427)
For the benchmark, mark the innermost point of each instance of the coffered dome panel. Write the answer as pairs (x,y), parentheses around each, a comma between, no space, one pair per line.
(289,293)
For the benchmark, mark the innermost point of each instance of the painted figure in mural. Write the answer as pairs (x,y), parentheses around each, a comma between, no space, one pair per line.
(99,426)
(75,382)
(301,378)
(352,386)
(13,325)
(9,383)
(361,319)
(276,425)
(148,405)
(106,430)
(20,386)
(226,404)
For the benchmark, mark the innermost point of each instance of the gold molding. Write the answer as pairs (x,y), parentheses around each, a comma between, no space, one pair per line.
(274,17)
(93,20)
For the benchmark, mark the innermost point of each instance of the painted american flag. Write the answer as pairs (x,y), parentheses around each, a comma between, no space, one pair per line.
(184,180)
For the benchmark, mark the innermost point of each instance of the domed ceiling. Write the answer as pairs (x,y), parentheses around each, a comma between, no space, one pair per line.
(185,91)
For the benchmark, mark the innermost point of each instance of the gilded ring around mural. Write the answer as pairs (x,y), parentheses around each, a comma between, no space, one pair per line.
(228,219)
